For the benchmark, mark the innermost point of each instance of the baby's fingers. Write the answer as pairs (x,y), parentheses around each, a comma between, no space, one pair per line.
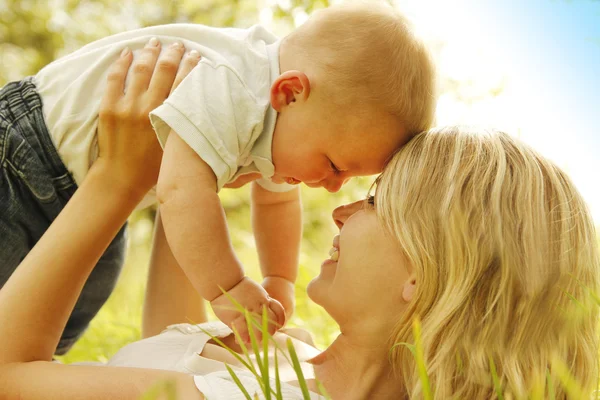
(253,328)
(276,315)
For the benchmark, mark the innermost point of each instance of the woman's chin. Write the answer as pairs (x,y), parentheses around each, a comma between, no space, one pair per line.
(322,281)
(312,289)
(328,266)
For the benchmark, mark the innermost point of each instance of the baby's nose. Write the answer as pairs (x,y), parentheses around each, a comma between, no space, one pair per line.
(334,185)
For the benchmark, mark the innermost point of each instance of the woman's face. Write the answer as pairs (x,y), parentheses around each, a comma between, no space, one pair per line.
(371,276)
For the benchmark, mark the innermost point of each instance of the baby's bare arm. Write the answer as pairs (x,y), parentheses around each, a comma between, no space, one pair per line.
(170,297)
(277,226)
(194,220)
(196,231)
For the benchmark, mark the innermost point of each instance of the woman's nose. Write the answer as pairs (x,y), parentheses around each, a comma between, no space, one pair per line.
(341,214)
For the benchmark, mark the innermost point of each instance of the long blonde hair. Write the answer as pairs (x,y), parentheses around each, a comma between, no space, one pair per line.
(505,257)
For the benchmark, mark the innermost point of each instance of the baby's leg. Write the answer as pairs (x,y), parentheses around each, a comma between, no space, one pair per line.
(34,187)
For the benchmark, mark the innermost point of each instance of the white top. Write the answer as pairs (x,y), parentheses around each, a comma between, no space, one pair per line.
(221,109)
(181,348)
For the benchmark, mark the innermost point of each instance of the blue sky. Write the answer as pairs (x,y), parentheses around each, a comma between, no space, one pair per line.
(556,48)
(548,53)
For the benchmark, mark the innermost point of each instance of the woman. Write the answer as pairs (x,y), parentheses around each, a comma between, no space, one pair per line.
(503,263)
(485,241)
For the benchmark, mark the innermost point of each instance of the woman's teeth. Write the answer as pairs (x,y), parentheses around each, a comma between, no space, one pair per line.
(334,254)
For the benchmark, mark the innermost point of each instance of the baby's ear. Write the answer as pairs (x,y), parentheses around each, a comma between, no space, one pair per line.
(290,87)
(410,287)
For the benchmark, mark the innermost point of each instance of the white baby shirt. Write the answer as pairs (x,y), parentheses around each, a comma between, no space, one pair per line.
(221,109)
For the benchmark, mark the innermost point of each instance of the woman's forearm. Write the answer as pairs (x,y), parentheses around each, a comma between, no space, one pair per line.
(52,381)
(37,300)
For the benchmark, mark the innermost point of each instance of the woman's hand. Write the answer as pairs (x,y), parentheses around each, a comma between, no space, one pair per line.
(128,148)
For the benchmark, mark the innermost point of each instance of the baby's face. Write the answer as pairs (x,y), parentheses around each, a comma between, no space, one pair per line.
(324,148)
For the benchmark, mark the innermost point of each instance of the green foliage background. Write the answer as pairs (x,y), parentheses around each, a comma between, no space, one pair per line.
(33,33)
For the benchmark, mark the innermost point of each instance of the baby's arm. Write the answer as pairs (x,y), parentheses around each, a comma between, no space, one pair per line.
(170,297)
(196,230)
(277,226)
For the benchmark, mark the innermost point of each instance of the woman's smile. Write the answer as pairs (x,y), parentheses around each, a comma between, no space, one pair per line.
(334,252)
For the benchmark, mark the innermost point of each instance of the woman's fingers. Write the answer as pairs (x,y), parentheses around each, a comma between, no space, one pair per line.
(115,84)
(189,62)
(165,72)
(125,136)
(143,67)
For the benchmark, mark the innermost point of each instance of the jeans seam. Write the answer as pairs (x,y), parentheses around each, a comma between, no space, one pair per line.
(58,181)
(9,127)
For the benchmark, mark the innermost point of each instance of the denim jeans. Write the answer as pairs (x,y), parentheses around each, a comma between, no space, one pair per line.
(34,187)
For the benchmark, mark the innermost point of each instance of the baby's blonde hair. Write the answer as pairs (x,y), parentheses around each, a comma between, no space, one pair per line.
(367,54)
(505,257)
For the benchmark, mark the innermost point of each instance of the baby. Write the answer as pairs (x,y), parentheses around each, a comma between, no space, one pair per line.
(332,100)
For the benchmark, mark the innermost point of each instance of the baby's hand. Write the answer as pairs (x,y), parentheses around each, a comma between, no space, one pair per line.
(283,291)
(253,298)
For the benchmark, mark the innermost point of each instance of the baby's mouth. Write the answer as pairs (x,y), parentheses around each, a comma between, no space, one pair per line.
(292,181)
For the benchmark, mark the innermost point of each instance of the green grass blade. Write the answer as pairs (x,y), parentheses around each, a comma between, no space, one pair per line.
(282,351)
(322,390)
(265,342)
(264,377)
(496,379)
(253,340)
(265,338)
(409,346)
(238,382)
(568,382)
(594,297)
(550,383)
(278,394)
(298,370)
(420,360)
(245,350)
(537,390)
(247,364)
(574,300)
(159,389)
